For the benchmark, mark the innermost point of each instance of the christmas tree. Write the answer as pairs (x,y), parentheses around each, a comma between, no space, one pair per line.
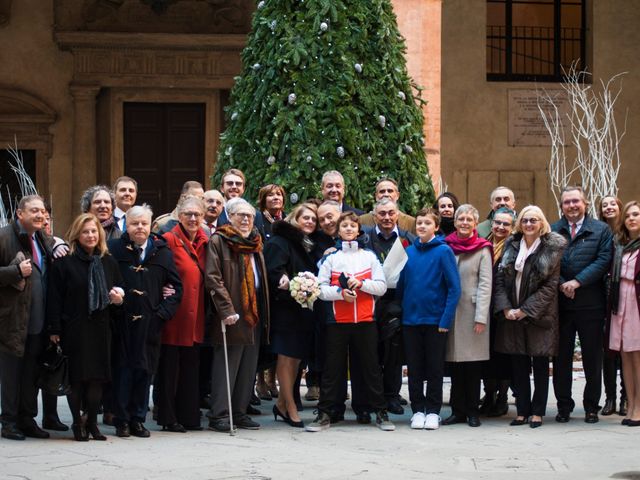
(324,87)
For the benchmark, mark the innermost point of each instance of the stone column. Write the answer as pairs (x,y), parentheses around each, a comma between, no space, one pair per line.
(84,162)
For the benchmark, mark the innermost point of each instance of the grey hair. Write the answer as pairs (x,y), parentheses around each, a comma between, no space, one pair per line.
(235,204)
(493,193)
(330,203)
(218,192)
(28,199)
(190,200)
(331,173)
(383,202)
(467,208)
(89,193)
(143,210)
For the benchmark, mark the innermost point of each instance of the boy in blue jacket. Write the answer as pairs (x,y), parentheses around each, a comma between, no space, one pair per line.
(429,288)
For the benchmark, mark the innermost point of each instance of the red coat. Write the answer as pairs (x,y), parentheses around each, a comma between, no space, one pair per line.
(187,325)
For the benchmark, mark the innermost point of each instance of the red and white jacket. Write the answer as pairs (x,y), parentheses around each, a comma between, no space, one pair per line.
(353,262)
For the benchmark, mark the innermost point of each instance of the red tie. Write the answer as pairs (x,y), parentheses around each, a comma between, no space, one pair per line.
(34,253)
(573,231)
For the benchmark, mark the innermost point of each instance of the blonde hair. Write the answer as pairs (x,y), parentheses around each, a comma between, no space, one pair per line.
(537,212)
(293,217)
(73,234)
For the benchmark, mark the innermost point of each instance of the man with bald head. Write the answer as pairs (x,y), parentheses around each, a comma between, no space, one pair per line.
(214,205)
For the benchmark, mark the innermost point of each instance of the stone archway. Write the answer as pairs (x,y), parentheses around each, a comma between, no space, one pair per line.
(25,120)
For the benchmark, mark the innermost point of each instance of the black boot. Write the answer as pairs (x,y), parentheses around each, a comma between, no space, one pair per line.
(609,407)
(623,407)
(501,407)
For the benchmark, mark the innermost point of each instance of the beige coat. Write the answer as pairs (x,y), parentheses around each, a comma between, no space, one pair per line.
(463,345)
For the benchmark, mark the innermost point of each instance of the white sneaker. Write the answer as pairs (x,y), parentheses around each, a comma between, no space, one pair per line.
(431,422)
(417,421)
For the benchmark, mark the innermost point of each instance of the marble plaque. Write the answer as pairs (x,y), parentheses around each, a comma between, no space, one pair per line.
(526,127)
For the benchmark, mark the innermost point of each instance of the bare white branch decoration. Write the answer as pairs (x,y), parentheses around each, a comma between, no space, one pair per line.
(593,132)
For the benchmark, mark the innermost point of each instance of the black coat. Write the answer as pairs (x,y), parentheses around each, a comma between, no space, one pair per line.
(284,254)
(537,333)
(85,338)
(586,259)
(138,329)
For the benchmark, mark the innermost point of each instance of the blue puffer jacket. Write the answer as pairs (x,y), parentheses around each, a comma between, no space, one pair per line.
(586,259)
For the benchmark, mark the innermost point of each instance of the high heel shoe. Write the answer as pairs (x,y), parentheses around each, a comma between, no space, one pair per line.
(95,432)
(174,427)
(291,423)
(277,412)
(79,432)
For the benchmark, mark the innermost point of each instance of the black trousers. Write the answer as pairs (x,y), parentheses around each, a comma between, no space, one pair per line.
(424,349)
(588,324)
(130,394)
(521,366)
(465,388)
(358,340)
(610,365)
(177,382)
(18,377)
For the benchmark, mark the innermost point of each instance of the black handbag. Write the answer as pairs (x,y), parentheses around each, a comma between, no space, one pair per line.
(54,371)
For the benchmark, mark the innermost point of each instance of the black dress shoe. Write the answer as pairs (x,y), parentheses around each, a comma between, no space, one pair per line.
(137,430)
(609,407)
(220,425)
(255,400)
(123,431)
(591,417)
(174,427)
(11,432)
(194,428)
(394,407)
(253,410)
(453,419)
(473,421)
(33,430)
(243,421)
(519,421)
(363,418)
(563,417)
(50,423)
(403,401)
(633,423)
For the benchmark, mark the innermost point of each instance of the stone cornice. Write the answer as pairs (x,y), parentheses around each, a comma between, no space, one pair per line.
(160,41)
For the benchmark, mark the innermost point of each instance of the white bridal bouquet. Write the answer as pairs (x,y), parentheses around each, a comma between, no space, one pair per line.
(304,289)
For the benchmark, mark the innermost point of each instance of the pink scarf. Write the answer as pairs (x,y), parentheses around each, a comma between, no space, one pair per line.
(467,245)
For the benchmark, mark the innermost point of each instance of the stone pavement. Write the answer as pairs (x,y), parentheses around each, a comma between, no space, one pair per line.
(347,450)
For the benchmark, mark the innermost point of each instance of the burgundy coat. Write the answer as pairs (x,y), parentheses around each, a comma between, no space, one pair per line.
(186,327)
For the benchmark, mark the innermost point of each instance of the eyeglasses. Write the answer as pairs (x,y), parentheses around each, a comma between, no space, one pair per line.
(231,183)
(192,214)
(532,221)
(244,215)
(500,223)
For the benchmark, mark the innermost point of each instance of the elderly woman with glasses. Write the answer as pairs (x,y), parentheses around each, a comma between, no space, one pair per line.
(526,299)
(468,338)
(236,279)
(177,378)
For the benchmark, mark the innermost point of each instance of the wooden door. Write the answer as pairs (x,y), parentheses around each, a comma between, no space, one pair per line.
(163,148)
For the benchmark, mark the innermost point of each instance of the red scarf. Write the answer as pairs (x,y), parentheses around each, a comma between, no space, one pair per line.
(467,245)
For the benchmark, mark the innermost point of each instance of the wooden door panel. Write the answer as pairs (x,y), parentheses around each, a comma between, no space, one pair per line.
(164,147)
